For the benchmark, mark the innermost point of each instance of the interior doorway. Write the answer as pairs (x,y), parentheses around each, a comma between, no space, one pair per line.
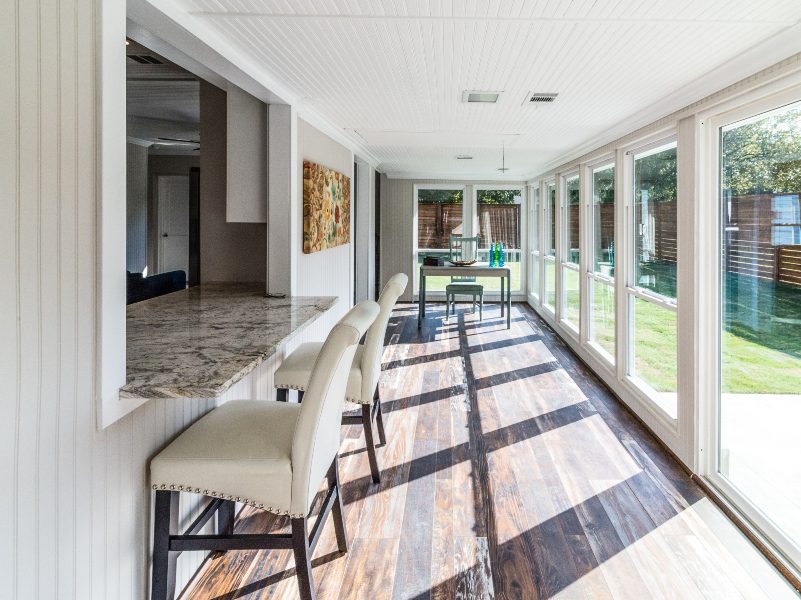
(172,192)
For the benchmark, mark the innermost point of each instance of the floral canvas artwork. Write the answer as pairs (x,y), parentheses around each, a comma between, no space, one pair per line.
(326,208)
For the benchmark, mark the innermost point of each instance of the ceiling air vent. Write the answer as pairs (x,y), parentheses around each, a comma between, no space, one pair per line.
(539,98)
(463,157)
(145,59)
(478,96)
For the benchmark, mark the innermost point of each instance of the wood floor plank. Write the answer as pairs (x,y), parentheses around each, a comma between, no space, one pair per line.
(509,471)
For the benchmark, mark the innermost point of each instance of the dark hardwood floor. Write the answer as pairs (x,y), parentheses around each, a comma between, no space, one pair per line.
(511,472)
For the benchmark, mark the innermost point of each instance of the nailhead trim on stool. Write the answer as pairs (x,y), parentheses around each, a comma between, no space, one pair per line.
(186,488)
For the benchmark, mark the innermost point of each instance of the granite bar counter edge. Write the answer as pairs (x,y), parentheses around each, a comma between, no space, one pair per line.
(198,342)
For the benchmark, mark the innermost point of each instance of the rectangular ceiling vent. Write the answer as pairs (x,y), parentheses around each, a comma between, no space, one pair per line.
(463,157)
(480,97)
(539,97)
(145,59)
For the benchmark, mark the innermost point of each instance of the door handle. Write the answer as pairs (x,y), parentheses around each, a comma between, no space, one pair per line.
(165,235)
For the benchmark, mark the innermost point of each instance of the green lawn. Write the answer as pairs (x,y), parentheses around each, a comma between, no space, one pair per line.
(761,341)
(491,284)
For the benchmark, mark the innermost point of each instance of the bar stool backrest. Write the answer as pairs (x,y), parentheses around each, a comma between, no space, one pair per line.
(374,342)
(317,434)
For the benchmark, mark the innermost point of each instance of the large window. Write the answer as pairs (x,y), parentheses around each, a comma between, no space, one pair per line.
(653,349)
(571,292)
(549,258)
(601,276)
(534,241)
(440,214)
(498,214)
(760,329)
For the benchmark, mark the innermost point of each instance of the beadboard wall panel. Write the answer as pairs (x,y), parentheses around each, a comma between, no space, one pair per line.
(75,504)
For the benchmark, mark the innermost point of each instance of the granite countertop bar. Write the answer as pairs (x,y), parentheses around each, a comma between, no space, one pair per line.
(198,342)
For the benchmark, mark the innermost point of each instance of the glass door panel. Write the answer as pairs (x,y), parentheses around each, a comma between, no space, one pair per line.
(760,332)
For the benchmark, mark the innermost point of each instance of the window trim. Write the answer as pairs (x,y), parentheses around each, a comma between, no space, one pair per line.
(415,250)
(647,395)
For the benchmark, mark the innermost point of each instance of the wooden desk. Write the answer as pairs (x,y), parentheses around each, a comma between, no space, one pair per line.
(475,270)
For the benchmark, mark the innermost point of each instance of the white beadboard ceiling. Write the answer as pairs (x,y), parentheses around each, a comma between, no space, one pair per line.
(390,73)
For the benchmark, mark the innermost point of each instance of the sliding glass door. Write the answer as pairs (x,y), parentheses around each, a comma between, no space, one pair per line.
(759,411)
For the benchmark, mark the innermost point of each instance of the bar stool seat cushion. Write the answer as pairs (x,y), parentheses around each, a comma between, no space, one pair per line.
(240,451)
(295,372)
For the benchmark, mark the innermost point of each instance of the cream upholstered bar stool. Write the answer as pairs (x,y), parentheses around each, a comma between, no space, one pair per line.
(270,455)
(294,373)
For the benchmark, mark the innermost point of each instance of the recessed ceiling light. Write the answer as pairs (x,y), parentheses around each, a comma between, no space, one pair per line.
(478,96)
(463,157)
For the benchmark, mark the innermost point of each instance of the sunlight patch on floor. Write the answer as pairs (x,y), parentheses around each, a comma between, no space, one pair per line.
(695,553)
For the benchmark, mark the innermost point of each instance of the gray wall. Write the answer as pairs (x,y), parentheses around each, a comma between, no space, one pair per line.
(397,224)
(136,225)
(228,251)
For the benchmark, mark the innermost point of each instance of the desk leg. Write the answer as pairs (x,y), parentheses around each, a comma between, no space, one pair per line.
(503,301)
(509,300)
(421,300)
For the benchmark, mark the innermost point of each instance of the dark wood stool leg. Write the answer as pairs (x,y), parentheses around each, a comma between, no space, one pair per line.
(164,523)
(367,421)
(336,510)
(281,394)
(225,518)
(379,418)
(303,569)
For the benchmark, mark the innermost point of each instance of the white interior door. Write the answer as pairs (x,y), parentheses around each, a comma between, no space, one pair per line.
(173,206)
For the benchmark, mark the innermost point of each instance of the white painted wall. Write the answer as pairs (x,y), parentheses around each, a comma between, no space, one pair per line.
(330,272)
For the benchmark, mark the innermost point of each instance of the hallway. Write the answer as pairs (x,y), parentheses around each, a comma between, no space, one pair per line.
(509,472)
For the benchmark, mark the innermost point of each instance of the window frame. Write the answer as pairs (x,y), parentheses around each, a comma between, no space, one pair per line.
(534,239)
(709,313)
(523,188)
(466,224)
(591,276)
(644,392)
(549,216)
(562,250)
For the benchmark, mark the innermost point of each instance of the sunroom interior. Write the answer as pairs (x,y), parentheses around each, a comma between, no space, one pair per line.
(568,236)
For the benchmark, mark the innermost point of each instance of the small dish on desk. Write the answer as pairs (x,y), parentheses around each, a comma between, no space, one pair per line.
(462,263)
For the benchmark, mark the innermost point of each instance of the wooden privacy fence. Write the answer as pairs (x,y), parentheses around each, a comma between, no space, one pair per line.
(497,223)
(750,247)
